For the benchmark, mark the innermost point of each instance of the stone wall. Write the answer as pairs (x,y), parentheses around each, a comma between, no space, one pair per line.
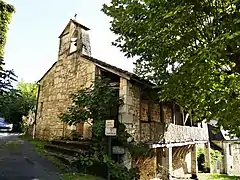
(231,158)
(129,113)
(147,167)
(68,75)
(236,159)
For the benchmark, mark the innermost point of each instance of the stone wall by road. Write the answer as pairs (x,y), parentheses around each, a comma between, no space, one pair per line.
(67,77)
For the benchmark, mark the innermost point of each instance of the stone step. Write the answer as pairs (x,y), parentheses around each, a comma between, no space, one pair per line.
(67,160)
(85,145)
(66,150)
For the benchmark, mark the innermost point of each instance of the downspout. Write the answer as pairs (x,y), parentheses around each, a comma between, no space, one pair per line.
(35,119)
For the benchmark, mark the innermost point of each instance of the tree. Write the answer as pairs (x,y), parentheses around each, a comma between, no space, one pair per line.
(16,103)
(28,93)
(189,49)
(6,76)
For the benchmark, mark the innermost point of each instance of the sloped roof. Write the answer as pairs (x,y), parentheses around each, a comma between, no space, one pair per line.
(220,134)
(76,23)
(216,147)
(131,75)
(215,136)
(104,64)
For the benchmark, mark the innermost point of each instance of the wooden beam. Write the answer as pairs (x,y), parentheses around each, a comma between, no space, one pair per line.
(173,113)
(161,113)
(113,71)
(183,115)
(186,118)
(167,145)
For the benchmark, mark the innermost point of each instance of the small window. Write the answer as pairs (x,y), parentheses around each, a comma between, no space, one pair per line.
(73,46)
(230,149)
(73,43)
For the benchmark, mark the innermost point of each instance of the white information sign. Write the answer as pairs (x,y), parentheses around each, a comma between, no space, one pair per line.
(109,124)
(110,131)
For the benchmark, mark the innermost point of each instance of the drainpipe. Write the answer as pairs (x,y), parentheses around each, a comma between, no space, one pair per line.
(35,119)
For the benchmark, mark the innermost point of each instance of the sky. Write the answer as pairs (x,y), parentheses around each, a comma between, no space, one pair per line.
(32,40)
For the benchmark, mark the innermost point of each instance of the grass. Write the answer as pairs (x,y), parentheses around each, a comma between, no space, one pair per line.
(207,176)
(78,176)
(13,145)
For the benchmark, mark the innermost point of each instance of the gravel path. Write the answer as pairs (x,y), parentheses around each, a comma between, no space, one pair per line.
(20,161)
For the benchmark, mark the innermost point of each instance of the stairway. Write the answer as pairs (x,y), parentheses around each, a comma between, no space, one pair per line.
(68,151)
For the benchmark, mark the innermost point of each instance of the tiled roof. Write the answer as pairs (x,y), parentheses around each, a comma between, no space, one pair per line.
(104,64)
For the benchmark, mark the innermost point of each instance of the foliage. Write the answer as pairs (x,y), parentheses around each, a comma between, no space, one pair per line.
(200,159)
(17,103)
(77,176)
(120,172)
(97,103)
(189,49)
(216,176)
(28,92)
(5,18)
(6,76)
(139,149)
(86,161)
(215,156)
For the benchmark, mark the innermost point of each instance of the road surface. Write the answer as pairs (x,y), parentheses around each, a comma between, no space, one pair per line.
(20,161)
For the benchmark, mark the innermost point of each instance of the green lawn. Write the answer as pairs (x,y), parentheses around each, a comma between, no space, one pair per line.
(207,176)
(76,176)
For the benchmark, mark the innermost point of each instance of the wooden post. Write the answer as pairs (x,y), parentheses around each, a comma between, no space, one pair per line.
(173,113)
(194,166)
(167,161)
(207,157)
(109,154)
(161,113)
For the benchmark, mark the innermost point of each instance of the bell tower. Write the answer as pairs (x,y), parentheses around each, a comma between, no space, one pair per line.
(74,39)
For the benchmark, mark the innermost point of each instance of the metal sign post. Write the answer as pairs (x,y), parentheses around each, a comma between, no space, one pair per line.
(110,131)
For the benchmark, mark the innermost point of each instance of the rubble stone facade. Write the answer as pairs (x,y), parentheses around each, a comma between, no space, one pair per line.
(65,78)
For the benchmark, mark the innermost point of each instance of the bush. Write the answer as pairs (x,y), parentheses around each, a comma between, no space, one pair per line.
(215,156)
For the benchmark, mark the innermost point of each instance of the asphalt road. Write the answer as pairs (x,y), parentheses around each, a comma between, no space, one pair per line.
(20,161)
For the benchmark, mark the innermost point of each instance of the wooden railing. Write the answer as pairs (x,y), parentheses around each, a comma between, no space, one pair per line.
(159,132)
(177,133)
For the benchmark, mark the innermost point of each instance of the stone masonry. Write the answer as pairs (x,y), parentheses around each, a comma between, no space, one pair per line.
(68,75)
(144,119)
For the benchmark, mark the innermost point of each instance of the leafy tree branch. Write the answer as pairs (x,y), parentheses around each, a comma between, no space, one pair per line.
(189,49)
